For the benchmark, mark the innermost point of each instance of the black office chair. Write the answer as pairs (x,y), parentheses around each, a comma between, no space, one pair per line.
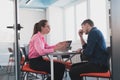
(100,74)
(25,68)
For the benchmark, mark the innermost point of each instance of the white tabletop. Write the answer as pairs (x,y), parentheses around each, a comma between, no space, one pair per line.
(63,53)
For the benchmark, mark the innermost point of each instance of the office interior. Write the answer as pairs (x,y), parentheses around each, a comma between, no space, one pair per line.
(65,18)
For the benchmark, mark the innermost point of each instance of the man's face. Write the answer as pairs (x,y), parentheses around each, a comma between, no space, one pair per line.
(85,28)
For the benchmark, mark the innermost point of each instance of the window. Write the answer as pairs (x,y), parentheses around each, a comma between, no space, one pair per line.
(81,14)
(6,19)
(74,15)
(78,12)
(98,13)
(69,23)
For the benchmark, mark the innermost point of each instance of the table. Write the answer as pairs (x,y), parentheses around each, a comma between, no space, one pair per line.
(58,54)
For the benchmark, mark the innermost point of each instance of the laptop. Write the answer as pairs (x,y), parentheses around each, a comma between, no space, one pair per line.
(68,47)
(66,50)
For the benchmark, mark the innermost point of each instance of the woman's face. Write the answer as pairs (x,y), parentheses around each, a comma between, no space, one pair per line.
(46,29)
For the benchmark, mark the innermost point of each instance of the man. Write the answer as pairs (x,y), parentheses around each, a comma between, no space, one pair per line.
(94,50)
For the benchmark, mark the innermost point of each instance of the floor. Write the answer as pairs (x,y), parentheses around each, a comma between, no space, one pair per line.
(4,75)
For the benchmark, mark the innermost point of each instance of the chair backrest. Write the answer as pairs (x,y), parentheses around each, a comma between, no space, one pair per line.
(109,51)
(26,49)
(25,54)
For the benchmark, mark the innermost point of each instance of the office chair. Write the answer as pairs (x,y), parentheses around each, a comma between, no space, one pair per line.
(99,74)
(25,68)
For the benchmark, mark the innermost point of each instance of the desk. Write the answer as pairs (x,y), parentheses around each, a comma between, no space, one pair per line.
(58,54)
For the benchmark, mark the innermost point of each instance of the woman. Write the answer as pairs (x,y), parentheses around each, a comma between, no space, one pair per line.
(38,47)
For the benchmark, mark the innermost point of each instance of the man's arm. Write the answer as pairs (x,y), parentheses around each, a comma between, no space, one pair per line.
(81,38)
(91,44)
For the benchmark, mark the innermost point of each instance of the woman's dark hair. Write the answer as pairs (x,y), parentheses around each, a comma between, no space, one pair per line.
(90,22)
(39,25)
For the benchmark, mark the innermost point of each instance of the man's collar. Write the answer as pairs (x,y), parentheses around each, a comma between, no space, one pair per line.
(92,29)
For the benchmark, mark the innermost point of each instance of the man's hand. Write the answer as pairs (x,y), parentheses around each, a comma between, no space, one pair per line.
(81,36)
(79,50)
(80,32)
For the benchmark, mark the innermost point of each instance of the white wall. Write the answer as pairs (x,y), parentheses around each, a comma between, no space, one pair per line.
(99,14)
(55,18)
(6,19)
(60,32)
(27,19)
(55,15)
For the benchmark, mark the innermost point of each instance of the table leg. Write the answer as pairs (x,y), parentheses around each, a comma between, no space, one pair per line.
(70,57)
(52,67)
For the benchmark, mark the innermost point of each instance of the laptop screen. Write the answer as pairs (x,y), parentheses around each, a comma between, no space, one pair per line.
(69,44)
(68,47)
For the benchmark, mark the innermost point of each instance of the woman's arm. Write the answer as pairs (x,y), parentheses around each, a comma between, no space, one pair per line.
(39,47)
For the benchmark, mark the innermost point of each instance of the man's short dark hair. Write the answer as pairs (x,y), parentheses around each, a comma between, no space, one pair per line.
(90,22)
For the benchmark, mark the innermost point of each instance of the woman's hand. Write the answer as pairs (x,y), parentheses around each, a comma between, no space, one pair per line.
(61,46)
